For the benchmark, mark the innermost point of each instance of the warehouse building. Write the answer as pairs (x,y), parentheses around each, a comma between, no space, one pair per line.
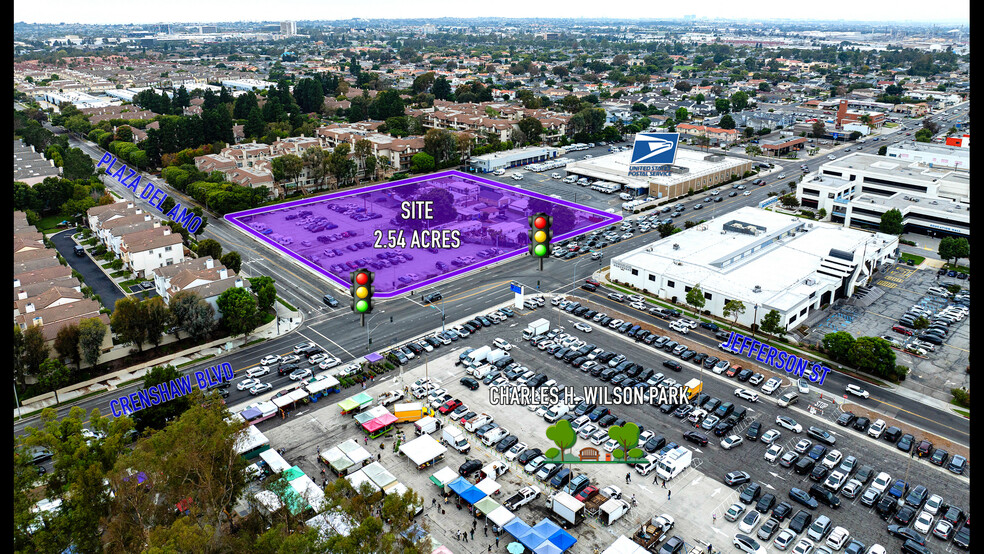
(692,169)
(512,158)
(857,189)
(955,156)
(766,260)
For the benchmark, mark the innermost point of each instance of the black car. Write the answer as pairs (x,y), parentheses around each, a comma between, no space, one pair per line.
(506,443)
(782,510)
(751,493)
(939,457)
(846,419)
(962,537)
(673,365)
(765,503)
(906,533)
(754,431)
(683,411)
(892,434)
(528,455)
(905,443)
(917,496)
(607,421)
(469,467)
(800,521)
(861,424)
(744,375)
(905,515)
(804,465)
(469,382)
(886,507)
(699,358)
(654,443)
(821,435)
(695,437)
(819,473)
(823,495)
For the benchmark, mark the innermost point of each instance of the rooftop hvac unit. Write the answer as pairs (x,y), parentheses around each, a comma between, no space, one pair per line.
(757,288)
(676,246)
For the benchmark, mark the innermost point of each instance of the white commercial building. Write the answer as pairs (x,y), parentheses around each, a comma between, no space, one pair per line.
(766,260)
(512,158)
(933,155)
(857,189)
(247,84)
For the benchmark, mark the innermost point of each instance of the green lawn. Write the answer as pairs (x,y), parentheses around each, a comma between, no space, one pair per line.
(286,305)
(957,268)
(915,259)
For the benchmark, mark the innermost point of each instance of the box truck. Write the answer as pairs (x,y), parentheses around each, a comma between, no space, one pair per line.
(674,462)
(455,438)
(569,510)
(612,510)
(427,426)
(693,388)
(477,356)
(595,500)
(536,328)
(496,355)
(411,411)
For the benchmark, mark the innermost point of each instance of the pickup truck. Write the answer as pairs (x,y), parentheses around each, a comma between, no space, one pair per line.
(594,500)
(653,531)
(390,397)
(524,496)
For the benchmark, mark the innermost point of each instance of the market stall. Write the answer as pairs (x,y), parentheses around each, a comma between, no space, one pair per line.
(424,451)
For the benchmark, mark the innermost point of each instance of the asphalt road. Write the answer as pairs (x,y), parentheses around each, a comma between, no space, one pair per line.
(94,277)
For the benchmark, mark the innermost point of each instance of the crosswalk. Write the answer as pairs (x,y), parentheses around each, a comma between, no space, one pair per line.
(895,277)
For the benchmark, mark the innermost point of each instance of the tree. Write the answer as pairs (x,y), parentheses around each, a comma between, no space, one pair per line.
(891,222)
(961,249)
(838,345)
(739,100)
(422,162)
(770,324)
(286,168)
(129,321)
(209,247)
(722,105)
(309,95)
(67,344)
(92,332)
(265,291)
(77,164)
(192,314)
(681,115)
(531,128)
(945,249)
(255,127)
(157,417)
(727,122)
(873,355)
(159,319)
(238,308)
(695,298)
(882,150)
(819,129)
(194,457)
(442,89)
(232,260)
(789,201)
(666,229)
(733,308)
(35,351)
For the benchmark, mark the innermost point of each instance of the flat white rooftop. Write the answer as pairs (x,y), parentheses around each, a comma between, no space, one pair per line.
(615,167)
(784,267)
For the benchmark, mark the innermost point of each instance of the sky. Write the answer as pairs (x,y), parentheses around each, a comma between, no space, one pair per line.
(185,11)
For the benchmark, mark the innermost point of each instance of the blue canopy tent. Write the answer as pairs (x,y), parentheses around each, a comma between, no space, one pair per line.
(460,485)
(562,539)
(547,547)
(472,494)
(531,538)
(517,527)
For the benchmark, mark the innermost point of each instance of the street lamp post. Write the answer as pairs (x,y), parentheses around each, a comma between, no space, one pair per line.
(755,320)
(16,400)
(574,276)
(441,309)
(368,340)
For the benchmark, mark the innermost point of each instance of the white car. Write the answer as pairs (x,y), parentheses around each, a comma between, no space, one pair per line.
(247,384)
(770,436)
(611,445)
(555,175)
(748,523)
(582,327)
(804,546)
(882,482)
(731,442)
(838,538)
(773,453)
(877,428)
(933,504)
(500,343)
(517,176)
(784,539)
(789,423)
(832,459)
(803,386)
(587,430)
(746,394)
(329,363)
(746,193)
(771,385)
(257,371)
(857,391)
(923,522)
(270,360)
(835,481)
(803,446)
(600,436)
(516,450)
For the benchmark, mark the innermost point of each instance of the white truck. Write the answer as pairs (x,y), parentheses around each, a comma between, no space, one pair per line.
(536,328)
(567,508)
(524,496)
(496,355)
(427,425)
(455,438)
(477,356)
(479,372)
(645,468)
(494,470)
(390,397)
(474,423)
(612,510)
(674,462)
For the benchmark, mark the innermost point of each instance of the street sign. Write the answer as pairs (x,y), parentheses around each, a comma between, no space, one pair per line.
(516,288)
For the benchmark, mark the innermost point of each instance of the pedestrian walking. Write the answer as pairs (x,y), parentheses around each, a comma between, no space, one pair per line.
(473,534)
(379,457)
(319,451)
(490,548)
(433,502)
(714,518)
(486,530)
(322,472)
(465,535)
(366,439)
(668,494)
(664,483)
(656,479)
(710,548)
(628,478)
(497,541)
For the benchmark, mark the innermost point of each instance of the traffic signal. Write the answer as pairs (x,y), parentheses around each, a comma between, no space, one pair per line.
(362,290)
(540,235)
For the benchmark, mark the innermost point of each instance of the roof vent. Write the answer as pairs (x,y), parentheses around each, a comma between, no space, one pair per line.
(756,288)
(676,246)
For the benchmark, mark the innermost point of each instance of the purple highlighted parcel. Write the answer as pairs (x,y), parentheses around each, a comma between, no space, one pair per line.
(413,233)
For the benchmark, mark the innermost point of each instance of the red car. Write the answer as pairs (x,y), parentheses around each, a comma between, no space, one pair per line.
(449,406)
(903,330)
(575,248)
(586,493)
(592,281)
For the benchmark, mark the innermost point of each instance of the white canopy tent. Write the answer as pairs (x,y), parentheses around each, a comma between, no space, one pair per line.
(423,451)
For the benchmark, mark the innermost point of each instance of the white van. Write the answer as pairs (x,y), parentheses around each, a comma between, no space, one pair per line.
(499,172)
(651,462)
(625,196)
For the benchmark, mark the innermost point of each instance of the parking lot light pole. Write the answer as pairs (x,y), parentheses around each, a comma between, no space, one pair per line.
(368,340)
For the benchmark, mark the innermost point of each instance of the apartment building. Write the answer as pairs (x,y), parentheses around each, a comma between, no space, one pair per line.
(204,276)
(144,251)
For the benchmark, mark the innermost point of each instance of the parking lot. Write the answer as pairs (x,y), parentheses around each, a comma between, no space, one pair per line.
(697,494)
(933,373)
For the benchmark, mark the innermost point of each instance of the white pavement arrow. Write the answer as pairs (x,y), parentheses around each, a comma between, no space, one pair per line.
(770,487)
(716,491)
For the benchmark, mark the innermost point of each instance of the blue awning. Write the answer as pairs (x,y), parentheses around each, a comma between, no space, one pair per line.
(473,494)
(460,485)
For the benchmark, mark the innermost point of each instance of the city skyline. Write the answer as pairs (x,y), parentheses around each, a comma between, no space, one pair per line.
(116,12)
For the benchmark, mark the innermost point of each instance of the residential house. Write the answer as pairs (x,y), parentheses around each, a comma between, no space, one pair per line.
(144,251)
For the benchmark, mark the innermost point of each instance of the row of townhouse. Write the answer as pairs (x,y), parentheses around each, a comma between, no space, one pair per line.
(46,294)
(203,276)
(135,237)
